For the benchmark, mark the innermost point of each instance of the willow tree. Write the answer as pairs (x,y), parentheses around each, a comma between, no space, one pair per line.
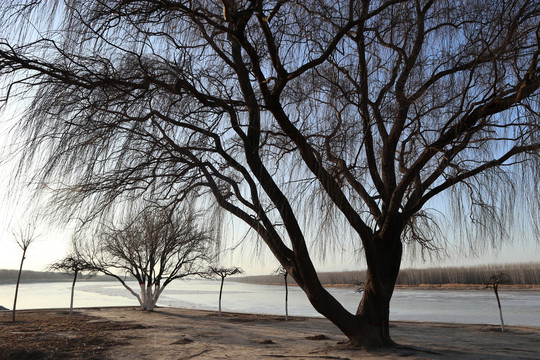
(295,115)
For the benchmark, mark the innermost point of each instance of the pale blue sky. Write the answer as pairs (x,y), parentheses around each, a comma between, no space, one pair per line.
(52,243)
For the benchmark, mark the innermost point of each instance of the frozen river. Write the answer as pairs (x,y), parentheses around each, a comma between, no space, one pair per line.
(470,306)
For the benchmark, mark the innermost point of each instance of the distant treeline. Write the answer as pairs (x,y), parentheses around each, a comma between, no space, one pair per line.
(27,276)
(517,274)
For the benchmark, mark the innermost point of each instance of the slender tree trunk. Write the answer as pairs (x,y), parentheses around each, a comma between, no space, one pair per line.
(149,298)
(73,292)
(17,286)
(500,309)
(286,298)
(220,291)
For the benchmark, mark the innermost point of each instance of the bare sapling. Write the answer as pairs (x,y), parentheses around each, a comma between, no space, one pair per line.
(74,265)
(223,273)
(282,271)
(24,237)
(494,282)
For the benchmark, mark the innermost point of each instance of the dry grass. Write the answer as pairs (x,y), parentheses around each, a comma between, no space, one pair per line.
(174,333)
(56,335)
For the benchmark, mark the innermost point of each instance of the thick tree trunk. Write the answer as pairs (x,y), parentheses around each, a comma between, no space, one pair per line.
(373,316)
(369,327)
(374,310)
(149,296)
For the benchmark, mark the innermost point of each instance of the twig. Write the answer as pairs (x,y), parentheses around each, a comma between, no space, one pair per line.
(194,355)
(307,356)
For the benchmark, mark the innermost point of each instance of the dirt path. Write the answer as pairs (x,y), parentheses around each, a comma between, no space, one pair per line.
(172,333)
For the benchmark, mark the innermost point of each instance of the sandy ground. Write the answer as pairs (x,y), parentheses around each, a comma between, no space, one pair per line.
(173,333)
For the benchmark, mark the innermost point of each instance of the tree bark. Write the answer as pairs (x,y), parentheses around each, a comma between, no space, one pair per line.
(369,327)
(149,306)
(142,298)
(373,313)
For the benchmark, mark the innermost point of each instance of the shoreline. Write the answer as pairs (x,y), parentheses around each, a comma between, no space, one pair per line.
(167,333)
(251,314)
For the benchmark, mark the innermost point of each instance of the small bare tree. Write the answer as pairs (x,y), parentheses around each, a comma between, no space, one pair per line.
(155,247)
(494,282)
(223,272)
(282,271)
(24,237)
(72,264)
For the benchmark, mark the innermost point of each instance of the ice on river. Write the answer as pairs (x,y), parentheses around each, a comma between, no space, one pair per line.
(451,306)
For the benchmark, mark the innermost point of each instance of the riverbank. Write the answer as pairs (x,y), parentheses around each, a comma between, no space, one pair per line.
(174,333)
(502,287)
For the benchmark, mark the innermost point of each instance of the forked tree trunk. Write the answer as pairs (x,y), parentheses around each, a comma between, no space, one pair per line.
(149,295)
(152,297)
(148,299)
